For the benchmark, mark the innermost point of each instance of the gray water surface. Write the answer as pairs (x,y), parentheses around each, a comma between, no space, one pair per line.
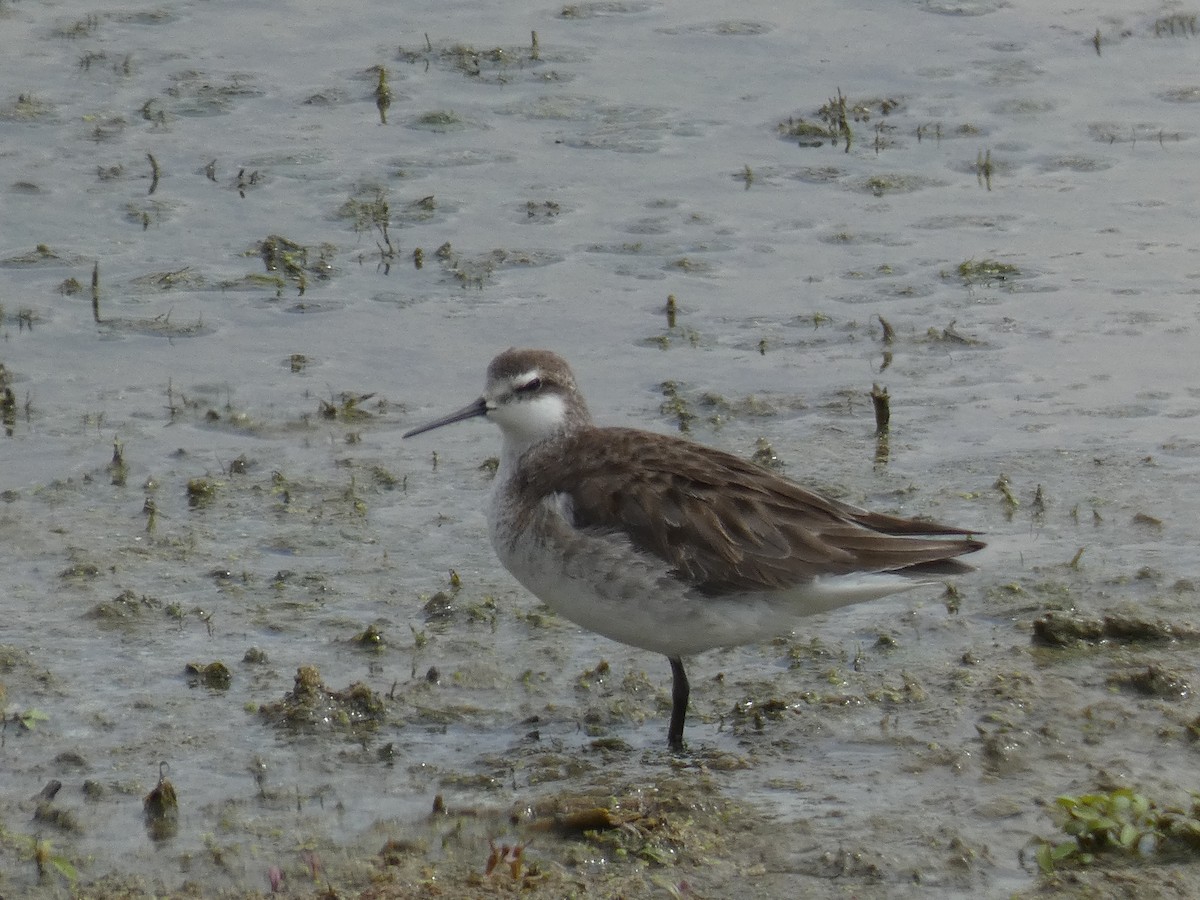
(1017,202)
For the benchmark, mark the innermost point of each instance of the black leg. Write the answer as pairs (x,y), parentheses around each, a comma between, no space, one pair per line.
(679,702)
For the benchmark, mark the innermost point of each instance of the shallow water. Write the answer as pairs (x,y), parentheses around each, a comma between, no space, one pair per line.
(247,306)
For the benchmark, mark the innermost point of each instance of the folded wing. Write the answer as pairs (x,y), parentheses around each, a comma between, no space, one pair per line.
(726,525)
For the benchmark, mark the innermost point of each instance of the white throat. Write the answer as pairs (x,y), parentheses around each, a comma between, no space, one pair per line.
(524,423)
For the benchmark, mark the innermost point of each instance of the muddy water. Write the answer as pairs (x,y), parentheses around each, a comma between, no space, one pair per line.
(201,459)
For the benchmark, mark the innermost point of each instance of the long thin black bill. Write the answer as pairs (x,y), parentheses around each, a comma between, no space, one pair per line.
(478,408)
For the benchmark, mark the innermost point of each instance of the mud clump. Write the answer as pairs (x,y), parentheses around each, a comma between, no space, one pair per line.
(1059,630)
(311,704)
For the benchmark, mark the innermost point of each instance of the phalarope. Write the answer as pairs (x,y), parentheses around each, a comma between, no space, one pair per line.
(672,546)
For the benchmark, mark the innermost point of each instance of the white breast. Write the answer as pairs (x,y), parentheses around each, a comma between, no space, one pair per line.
(599,581)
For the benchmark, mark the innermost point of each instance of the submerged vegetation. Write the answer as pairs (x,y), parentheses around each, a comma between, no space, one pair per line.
(832,122)
(985,271)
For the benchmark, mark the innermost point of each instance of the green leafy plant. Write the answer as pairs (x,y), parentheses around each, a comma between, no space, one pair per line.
(42,852)
(28,719)
(1122,822)
(47,860)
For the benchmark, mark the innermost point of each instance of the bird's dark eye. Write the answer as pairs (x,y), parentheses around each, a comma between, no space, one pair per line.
(532,386)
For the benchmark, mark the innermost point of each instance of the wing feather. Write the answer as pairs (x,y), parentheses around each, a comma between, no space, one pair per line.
(722,523)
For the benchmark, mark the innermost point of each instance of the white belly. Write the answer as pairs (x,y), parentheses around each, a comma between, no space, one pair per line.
(599,581)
